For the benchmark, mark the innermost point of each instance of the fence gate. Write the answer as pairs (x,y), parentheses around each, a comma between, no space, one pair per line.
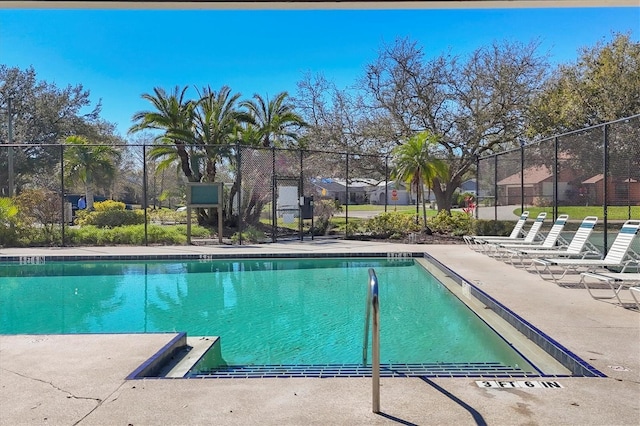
(285,213)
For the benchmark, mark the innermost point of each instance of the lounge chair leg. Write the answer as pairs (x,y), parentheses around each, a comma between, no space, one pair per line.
(634,291)
(616,291)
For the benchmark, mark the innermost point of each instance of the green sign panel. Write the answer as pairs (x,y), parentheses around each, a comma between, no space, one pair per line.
(207,194)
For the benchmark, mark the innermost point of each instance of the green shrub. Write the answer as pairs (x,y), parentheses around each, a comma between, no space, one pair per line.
(40,208)
(324,210)
(493,227)
(196,230)
(8,221)
(455,223)
(321,226)
(8,211)
(164,216)
(390,224)
(110,214)
(133,235)
(108,205)
(352,228)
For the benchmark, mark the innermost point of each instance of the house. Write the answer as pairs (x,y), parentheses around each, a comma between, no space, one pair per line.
(468,186)
(537,185)
(337,189)
(396,194)
(620,191)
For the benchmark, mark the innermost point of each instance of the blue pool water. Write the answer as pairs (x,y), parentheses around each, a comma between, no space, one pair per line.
(292,311)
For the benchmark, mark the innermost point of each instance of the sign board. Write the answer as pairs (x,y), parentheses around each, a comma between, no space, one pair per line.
(204,194)
(394,195)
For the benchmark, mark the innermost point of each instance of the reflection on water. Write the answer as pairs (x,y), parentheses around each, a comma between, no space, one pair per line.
(307,311)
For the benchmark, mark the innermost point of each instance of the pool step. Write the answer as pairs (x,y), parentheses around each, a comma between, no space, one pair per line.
(358,370)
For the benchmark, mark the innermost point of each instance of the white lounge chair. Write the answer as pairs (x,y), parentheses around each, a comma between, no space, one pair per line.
(515,233)
(487,244)
(548,243)
(617,256)
(579,247)
(617,281)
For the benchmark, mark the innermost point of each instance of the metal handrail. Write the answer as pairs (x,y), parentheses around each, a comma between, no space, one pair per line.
(372,304)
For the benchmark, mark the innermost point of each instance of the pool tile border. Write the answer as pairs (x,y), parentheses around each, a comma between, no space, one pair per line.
(564,356)
(32,260)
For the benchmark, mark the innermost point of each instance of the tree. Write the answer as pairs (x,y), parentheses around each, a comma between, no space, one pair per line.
(217,125)
(601,86)
(41,206)
(276,120)
(44,114)
(173,114)
(89,165)
(201,134)
(414,164)
(477,106)
(343,120)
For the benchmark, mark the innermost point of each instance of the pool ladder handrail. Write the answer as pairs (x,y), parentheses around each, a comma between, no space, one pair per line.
(373,305)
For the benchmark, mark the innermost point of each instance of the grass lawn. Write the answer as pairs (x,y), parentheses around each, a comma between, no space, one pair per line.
(580,212)
(377,208)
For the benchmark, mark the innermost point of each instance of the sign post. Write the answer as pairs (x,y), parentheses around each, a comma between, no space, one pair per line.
(207,195)
(394,198)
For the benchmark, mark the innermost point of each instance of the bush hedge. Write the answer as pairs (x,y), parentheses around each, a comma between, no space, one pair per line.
(133,235)
(110,214)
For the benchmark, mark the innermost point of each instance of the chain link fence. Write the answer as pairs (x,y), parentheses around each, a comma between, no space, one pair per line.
(270,190)
(596,168)
(265,189)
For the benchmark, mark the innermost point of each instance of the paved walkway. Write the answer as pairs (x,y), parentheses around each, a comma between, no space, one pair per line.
(69,380)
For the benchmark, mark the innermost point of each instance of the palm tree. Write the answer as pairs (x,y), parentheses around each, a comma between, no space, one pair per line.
(276,120)
(175,116)
(414,164)
(217,123)
(87,164)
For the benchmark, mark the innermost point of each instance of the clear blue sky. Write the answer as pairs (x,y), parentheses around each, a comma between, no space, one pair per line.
(120,54)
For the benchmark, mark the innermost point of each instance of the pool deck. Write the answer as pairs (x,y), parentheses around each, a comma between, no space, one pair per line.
(80,380)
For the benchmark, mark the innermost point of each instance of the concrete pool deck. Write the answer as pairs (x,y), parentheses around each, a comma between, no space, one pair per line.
(69,380)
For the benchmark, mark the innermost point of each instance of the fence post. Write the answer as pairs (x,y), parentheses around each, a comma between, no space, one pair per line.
(62,194)
(605,173)
(628,188)
(274,197)
(495,187)
(555,178)
(477,184)
(239,193)
(301,194)
(10,147)
(386,182)
(346,204)
(145,201)
(521,176)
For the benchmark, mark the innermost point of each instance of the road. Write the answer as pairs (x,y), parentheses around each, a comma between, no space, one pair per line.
(503,213)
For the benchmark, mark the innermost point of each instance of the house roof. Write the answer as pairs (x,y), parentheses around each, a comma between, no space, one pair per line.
(594,179)
(339,185)
(329,185)
(532,175)
(597,178)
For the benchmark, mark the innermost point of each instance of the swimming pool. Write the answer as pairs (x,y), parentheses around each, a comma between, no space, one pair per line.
(266,311)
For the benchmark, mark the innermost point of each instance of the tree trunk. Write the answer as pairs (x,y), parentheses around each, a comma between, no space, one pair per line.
(184,162)
(443,197)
